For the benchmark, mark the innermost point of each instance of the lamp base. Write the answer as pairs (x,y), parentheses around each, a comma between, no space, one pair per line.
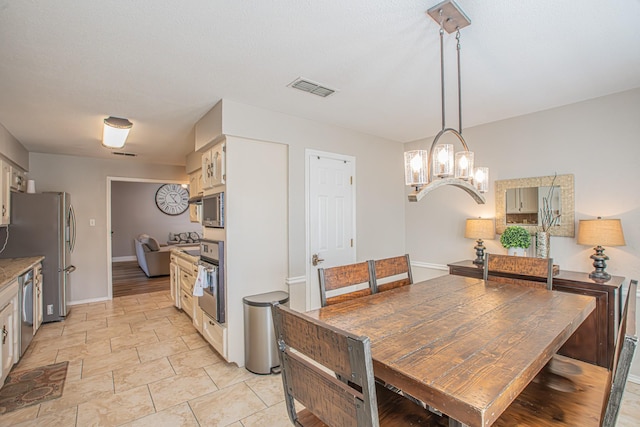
(599,264)
(479,253)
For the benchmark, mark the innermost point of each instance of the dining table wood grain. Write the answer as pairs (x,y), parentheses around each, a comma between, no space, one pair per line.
(465,346)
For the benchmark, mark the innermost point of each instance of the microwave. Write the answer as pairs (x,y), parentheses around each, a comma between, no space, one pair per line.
(213,210)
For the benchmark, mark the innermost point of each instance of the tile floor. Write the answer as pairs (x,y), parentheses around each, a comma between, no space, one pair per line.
(138,361)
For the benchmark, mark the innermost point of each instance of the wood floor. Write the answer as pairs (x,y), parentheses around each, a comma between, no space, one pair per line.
(129,279)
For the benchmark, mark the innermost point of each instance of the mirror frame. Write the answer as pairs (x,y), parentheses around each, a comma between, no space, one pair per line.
(567,202)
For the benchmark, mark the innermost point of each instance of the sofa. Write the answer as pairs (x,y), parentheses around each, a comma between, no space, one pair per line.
(153,259)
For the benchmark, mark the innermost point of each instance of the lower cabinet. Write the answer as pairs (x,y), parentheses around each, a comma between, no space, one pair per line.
(37,298)
(174,281)
(9,332)
(215,334)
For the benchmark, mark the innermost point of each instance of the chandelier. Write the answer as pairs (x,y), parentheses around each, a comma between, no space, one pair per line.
(440,166)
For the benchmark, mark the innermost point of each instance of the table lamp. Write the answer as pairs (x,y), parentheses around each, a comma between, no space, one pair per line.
(599,232)
(479,228)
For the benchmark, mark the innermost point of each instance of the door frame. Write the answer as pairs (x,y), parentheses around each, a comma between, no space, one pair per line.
(308,153)
(111,179)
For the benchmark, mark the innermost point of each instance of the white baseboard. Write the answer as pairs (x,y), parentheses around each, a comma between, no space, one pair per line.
(634,379)
(429,265)
(123,258)
(87,301)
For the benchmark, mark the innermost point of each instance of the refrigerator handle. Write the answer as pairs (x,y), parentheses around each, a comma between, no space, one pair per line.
(72,226)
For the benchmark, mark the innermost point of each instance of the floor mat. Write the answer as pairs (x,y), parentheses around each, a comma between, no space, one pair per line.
(32,386)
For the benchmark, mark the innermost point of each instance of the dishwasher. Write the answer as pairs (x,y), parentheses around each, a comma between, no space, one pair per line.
(25,303)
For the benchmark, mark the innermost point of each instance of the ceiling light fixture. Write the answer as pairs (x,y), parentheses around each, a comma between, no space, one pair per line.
(427,171)
(115,132)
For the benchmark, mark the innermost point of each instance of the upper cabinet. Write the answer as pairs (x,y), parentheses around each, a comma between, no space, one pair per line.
(5,192)
(11,179)
(213,166)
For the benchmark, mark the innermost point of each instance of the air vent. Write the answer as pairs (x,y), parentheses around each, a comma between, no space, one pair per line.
(311,87)
(122,153)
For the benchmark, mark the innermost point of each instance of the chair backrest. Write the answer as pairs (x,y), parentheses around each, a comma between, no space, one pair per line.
(626,343)
(345,276)
(507,266)
(309,350)
(388,267)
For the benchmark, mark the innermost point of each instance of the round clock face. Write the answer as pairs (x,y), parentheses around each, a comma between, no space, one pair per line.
(172,199)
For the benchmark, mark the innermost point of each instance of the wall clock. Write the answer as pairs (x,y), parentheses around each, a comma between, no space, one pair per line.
(172,199)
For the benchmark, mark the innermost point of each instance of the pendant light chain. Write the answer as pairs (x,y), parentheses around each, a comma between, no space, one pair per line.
(442,68)
(459,84)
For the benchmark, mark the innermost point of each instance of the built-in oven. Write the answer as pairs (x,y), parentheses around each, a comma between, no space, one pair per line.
(212,300)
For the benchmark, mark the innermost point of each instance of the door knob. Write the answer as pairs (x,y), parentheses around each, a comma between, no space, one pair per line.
(315,259)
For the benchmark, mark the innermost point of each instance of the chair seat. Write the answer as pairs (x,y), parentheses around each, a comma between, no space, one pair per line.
(393,410)
(550,400)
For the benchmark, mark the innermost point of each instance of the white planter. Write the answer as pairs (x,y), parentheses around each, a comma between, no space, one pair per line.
(516,251)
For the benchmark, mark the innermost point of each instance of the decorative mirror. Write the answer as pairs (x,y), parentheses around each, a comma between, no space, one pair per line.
(519,202)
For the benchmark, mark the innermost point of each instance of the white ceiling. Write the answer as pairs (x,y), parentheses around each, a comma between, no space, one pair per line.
(65,65)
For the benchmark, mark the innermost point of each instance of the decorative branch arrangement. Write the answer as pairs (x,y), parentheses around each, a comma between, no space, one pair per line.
(549,218)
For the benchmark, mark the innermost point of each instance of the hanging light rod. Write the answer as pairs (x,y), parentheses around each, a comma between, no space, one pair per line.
(422,168)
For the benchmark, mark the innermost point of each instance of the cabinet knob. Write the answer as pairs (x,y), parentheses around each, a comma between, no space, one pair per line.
(4,333)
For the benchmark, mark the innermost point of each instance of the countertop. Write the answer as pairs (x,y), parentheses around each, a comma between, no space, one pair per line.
(11,268)
(189,253)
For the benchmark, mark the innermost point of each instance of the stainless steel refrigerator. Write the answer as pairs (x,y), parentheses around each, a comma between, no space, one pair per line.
(44,224)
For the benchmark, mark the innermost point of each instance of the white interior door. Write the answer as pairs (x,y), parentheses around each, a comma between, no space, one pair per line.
(330,216)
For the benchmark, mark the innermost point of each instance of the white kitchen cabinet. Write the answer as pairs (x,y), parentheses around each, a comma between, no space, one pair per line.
(186,292)
(18,180)
(174,281)
(6,351)
(198,315)
(215,334)
(9,332)
(214,166)
(195,183)
(5,192)
(37,298)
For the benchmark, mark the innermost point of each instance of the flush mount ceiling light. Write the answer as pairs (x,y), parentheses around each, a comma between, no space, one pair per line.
(427,171)
(115,132)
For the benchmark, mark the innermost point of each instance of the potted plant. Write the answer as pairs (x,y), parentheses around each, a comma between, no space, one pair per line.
(516,239)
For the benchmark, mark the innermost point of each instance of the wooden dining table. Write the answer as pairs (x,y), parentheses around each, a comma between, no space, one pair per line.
(463,346)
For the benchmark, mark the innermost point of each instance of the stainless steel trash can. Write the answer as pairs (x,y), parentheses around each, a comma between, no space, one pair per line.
(260,349)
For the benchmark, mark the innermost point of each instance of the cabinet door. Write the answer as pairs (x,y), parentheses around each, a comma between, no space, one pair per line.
(207,170)
(7,336)
(174,282)
(218,153)
(37,298)
(5,192)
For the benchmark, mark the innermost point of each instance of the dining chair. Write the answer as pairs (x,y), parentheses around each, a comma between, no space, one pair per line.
(504,268)
(397,271)
(338,284)
(313,354)
(571,392)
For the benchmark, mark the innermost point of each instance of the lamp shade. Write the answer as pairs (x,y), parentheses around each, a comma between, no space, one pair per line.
(601,232)
(115,132)
(479,228)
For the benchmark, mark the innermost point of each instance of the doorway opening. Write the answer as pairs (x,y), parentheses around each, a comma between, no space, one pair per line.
(131,211)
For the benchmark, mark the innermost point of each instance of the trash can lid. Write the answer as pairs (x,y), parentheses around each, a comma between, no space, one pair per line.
(265,300)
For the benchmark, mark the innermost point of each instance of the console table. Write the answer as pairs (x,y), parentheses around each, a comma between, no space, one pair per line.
(594,341)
